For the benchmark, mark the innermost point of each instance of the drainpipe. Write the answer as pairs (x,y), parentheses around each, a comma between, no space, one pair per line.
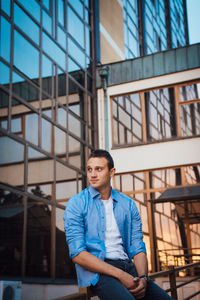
(104,73)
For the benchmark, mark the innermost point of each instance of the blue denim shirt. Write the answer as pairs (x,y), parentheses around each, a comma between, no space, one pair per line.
(85,224)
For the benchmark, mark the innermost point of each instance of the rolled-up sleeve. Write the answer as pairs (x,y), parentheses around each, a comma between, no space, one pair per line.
(74,226)
(137,244)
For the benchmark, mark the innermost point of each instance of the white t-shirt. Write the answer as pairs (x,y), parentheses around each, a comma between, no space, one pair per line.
(113,240)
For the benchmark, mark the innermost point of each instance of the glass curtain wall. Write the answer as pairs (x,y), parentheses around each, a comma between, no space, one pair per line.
(153,25)
(47,129)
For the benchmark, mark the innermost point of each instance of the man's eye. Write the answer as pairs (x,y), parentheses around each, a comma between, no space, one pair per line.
(99,169)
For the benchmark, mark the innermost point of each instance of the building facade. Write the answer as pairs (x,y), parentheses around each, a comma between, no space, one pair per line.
(51,117)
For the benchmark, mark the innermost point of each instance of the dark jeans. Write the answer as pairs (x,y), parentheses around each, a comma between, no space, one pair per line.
(109,288)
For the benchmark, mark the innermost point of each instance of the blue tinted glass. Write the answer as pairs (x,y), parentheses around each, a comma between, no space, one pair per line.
(5,39)
(10,151)
(61,37)
(46,4)
(5,6)
(72,66)
(32,7)
(76,53)
(87,40)
(78,6)
(61,12)
(75,27)
(4,74)
(26,57)
(46,67)
(26,24)
(53,50)
(46,21)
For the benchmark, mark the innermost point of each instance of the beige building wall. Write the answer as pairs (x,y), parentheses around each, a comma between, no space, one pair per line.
(111,31)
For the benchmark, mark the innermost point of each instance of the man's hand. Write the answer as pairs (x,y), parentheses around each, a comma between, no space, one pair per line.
(130,282)
(139,291)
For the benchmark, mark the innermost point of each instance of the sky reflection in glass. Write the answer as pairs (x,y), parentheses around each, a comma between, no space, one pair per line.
(5,39)
(53,50)
(32,7)
(25,23)
(26,57)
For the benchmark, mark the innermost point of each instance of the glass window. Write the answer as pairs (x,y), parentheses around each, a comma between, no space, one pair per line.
(24,89)
(53,50)
(10,151)
(31,121)
(76,53)
(11,233)
(38,233)
(64,265)
(26,57)
(5,6)
(60,142)
(47,68)
(46,4)
(46,21)
(62,37)
(5,39)
(4,109)
(4,74)
(46,135)
(25,23)
(78,6)
(32,7)
(61,10)
(75,27)
(40,171)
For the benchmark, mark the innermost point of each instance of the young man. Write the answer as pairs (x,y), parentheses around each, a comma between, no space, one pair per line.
(104,233)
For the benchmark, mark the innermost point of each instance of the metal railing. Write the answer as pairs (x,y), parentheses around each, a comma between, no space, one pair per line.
(172,279)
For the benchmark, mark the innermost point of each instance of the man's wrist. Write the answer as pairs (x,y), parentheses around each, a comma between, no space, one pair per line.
(144,276)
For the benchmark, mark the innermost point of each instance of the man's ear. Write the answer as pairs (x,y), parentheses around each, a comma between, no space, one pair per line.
(112,172)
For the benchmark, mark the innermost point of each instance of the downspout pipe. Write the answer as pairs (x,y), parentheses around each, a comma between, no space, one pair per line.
(104,73)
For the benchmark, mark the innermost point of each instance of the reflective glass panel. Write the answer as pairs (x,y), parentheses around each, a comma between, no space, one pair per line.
(53,50)
(25,23)
(38,233)
(46,3)
(46,21)
(75,26)
(61,10)
(5,39)
(40,172)
(4,74)
(31,125)
(60,141)
(12,162)
(46,135)
(5,6)
(76,53)
(11,233)
(3,109)
(47,75)
(26,57)
(64,265)
(190,92)
(24,89)
(62,37)
(32,7)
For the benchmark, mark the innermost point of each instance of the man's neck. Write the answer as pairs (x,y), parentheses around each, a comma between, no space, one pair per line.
(105,193)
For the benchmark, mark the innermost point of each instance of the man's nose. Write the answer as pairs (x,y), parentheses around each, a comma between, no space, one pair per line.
(93,173)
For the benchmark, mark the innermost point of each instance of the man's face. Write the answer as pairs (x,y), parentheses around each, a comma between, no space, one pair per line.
(98,173)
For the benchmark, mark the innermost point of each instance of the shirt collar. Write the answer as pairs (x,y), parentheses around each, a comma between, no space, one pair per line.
(94,193)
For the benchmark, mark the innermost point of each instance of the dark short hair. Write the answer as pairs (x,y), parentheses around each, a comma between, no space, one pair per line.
(105,154)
